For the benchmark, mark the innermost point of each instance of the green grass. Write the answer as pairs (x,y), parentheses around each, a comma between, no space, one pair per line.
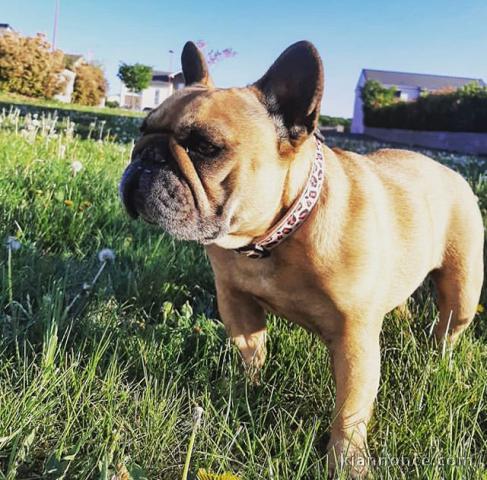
(91,122)
(22,101)
(111,382)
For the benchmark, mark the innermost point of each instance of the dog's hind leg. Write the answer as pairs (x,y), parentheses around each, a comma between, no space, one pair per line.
(458,283)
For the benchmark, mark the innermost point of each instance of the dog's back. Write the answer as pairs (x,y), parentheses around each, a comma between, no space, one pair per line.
(456,234)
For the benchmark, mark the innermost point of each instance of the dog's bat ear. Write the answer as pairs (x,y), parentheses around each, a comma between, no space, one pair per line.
(292,90)
(195,68)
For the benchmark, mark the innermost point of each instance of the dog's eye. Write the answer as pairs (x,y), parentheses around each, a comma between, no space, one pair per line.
(197,145)
(206,149)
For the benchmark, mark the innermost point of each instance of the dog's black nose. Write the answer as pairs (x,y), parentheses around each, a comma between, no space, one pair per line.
(128,187)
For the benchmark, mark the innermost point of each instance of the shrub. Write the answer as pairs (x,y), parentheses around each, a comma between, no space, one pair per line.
(460,110)
(112,104)
(375,95)
(90,85)
(327,121)
(29,67)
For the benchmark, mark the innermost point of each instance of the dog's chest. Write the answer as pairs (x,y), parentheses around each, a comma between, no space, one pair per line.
(287,290)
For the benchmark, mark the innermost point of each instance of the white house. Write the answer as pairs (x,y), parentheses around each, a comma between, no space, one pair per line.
(5,28)
(71,62)
(409,87)
(163,85)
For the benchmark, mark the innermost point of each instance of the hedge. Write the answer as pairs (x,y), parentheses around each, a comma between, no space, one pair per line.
(327,121)
(90,85)
(461,110)
(29,67)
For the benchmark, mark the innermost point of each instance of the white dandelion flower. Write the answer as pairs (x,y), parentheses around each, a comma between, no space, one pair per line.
(106,255)
(13,244)
(197,414)
(76,166)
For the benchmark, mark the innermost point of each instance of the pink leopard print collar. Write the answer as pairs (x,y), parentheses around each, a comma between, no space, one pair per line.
(296,215)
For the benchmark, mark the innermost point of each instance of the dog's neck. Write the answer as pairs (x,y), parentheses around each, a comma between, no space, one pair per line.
(301,192)
(297,176)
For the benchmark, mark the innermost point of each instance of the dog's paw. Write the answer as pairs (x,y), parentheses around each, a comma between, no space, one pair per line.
(254,366)
(252,372)
(348,460)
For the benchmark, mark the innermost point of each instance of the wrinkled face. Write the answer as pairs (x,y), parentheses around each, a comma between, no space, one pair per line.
(206,166)
(212,163)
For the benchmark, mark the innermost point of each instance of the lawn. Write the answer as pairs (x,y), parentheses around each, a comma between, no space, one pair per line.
(21,101)
(103,360)
(91,122)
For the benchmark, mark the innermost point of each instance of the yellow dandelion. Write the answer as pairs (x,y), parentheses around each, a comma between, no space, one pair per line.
(84,205)
(480,308)
(122,472)
(68,203)
(205,475)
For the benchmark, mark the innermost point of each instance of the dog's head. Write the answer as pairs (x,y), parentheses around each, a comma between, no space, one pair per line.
(212,163)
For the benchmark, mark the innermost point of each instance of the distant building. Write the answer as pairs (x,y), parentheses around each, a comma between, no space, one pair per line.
(409,87)
(114,98)
(5,28)
(162,86)
(71,62)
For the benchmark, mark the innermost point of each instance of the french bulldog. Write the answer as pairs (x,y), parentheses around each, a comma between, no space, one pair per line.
(329,239)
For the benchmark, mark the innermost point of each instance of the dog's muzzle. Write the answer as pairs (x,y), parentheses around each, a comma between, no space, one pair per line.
(146,160)
(129,186)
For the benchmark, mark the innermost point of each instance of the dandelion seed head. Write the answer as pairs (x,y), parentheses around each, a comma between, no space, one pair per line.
(47,298)
(106,255)
(13,244)
(197,414)
(76,166)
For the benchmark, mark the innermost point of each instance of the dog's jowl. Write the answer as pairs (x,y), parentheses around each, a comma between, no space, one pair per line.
(328,239)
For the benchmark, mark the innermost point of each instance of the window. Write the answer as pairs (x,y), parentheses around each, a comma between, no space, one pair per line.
(401,95)
(156,96)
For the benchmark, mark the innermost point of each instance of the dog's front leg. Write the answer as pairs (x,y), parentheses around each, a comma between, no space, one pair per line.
(355,358)
(245,322)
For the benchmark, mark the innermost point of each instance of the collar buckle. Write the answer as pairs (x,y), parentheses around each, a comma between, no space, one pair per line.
(253,251)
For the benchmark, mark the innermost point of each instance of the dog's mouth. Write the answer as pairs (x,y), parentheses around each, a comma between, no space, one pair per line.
(157,194)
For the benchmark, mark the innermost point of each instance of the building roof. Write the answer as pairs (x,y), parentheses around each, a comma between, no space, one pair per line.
(420,80)
(71,59)
(5,27)
(161,76)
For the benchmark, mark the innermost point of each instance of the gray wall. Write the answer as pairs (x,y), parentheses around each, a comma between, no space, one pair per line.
(463,142)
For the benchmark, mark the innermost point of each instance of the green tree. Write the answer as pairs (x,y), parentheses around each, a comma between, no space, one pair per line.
(136,77)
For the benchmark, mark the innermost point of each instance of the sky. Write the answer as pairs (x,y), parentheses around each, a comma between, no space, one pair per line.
(433,36)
